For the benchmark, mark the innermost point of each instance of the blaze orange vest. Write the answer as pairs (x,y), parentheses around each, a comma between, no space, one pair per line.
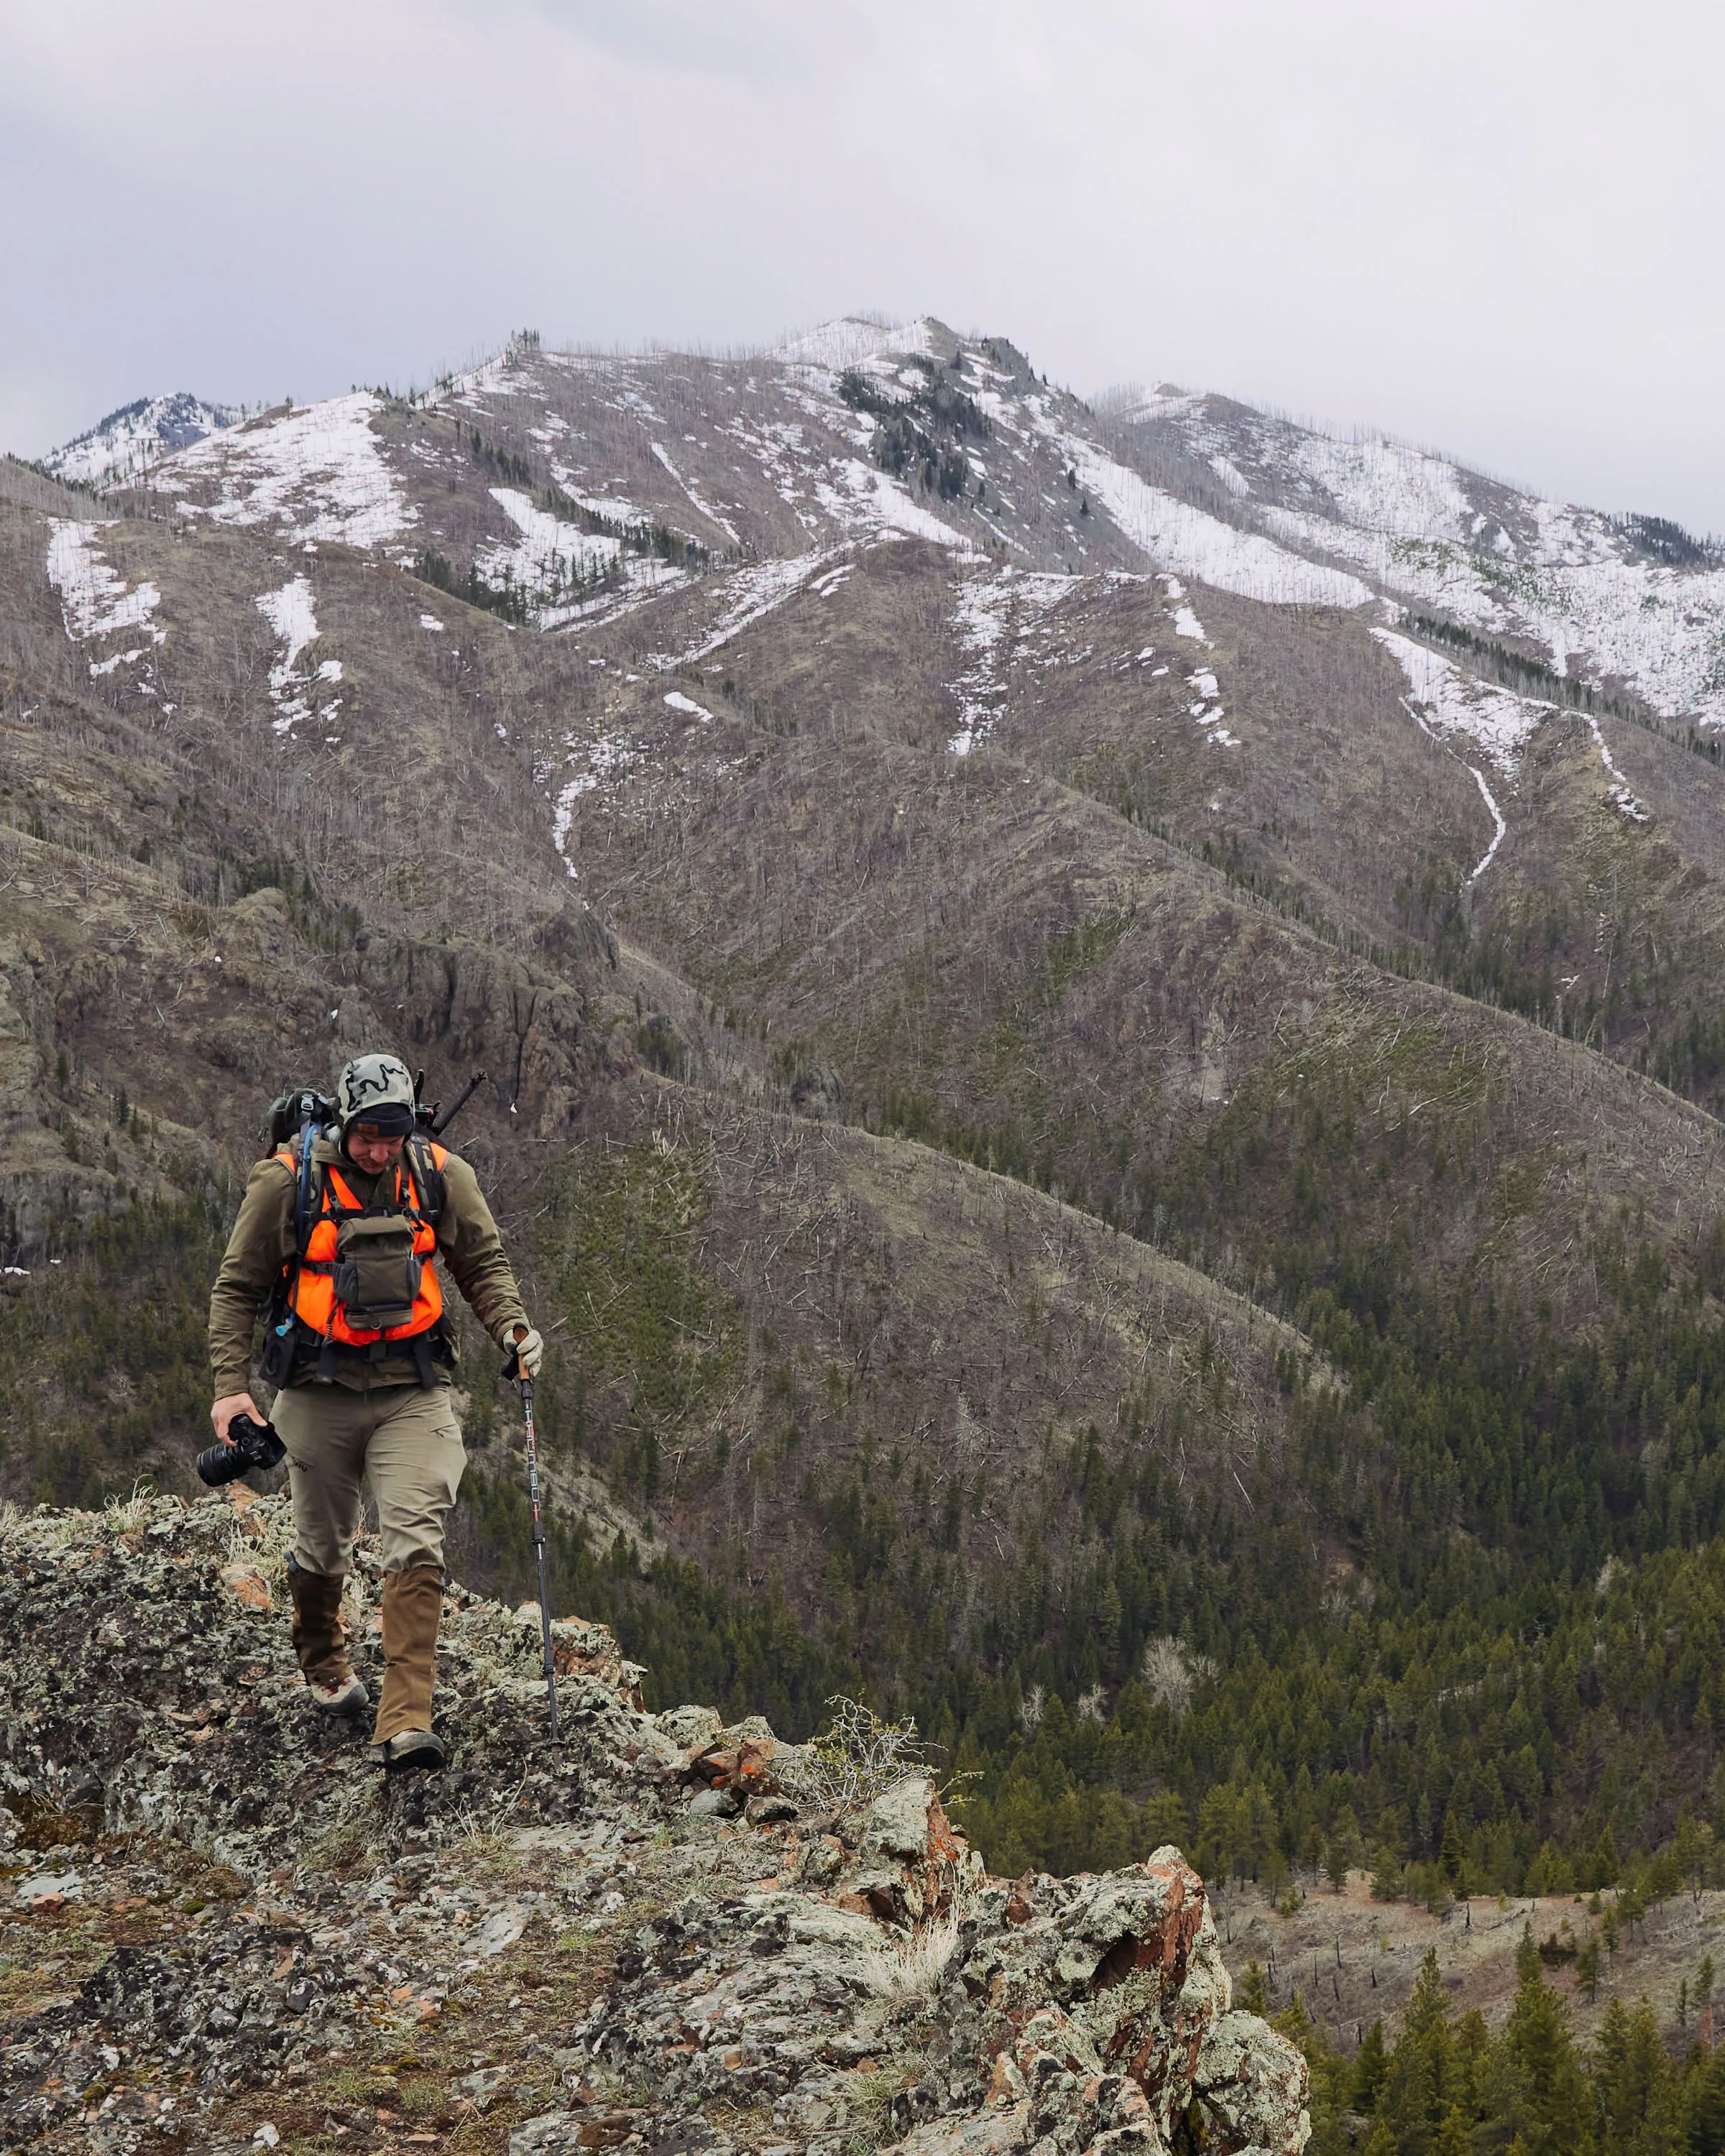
(309,1278)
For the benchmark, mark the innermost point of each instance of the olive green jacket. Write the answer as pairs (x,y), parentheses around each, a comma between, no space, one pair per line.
(263,1243)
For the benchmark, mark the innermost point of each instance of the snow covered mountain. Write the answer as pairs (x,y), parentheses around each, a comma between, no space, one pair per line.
(1633,602)
(123,449)
(550,474)
(1141,551)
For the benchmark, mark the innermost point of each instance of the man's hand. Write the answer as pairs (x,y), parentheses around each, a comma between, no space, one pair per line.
(525,1344)
(224,1410)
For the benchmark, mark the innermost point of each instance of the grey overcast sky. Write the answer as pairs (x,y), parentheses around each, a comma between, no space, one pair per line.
(1493,225)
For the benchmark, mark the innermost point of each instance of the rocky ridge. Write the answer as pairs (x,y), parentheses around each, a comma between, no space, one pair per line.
(224,1930)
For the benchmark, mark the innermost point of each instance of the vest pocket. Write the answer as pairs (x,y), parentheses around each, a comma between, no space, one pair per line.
(377,1271)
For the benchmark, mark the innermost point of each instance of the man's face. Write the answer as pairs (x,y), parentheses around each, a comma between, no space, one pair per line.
(369,1152)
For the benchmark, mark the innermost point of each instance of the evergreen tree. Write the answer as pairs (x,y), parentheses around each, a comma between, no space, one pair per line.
(1454,2135)
(1331,2080)
(1416,2090)
(1634,2089)
(1703,2106)
(1537,2092)
(1370,2064)
(1452,1858)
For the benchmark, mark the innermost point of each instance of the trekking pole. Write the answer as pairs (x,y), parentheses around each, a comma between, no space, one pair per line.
(551,1678)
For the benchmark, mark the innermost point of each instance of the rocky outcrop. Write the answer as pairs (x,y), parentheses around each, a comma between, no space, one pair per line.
(1069,2014)
(712,1962)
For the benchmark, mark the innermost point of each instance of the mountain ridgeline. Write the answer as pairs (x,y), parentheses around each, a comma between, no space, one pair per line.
(1103,1062)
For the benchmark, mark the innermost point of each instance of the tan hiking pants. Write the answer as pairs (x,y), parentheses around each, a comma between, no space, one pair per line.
(405,1442)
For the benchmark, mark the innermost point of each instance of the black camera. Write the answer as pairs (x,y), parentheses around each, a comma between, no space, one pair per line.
(255,1445)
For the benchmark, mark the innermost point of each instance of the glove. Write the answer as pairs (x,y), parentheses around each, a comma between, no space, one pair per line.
(528,1351)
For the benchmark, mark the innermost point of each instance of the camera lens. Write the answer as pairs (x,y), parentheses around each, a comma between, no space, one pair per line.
(255,1445)
(222,1463)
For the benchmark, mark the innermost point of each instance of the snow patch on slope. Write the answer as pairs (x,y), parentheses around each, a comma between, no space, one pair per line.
(873,506)
(1186,622)
(1499,827)
(315,474)
(504,370)
(1445,703)
(1386,486)
(1189,540)
(993,613)
(291,614)
(1620,792)
(746,597)
(549,553)
(1207,709)
(563,815)
(552,562)
(1450,702)
(1565,579)
(1660,629)
(609,758)
(95,599)
(706,510)
(617,507)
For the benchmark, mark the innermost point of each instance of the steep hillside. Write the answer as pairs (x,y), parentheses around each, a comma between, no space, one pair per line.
(988,957)
(212,892)
(1101,1045)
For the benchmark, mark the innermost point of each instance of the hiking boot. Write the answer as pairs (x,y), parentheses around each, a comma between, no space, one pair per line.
(411,1749)
(320,1642)
(413,1605)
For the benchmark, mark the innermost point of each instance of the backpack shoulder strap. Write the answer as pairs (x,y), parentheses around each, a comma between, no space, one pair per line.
(308,1185)
(425,1165)
(308,1203)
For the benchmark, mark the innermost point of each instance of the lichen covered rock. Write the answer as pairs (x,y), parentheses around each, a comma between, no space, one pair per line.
(1250,2083)
(740,1972)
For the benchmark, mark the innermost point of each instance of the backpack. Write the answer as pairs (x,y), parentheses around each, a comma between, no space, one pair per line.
(295,1118)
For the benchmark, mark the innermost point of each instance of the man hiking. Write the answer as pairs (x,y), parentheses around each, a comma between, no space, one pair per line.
(356,1339)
